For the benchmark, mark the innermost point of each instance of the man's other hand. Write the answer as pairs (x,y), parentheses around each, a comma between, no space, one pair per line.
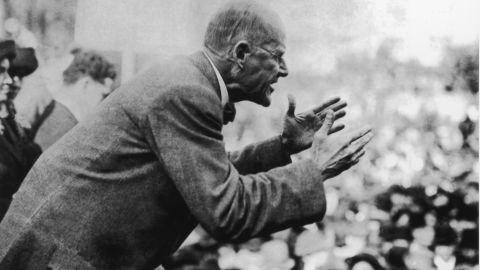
(332,163)
(298,130)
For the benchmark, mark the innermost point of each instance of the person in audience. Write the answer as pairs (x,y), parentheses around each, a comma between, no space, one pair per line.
(17,150)
(467,249)
(86,82)
(363,261)
(444,245)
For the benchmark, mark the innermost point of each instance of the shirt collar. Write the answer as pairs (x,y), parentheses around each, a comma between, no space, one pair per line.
(223,87)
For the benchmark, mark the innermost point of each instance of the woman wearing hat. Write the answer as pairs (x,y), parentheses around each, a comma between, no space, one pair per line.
(17,151)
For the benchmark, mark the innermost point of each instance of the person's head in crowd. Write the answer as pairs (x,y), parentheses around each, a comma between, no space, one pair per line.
(471,193)
(246,42)
(467,250)
(275,255)
(363,261)
(444,242)
(7,54)
(399,196)
(443,205)
(431,218)
(423,235)
(401,218)
(467,213)
(396,258)
(393,236)
(24,64)
(466,217)
(87,81)
(404,217)
(419,199)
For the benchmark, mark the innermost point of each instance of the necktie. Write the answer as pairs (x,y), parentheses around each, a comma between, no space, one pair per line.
(228,113)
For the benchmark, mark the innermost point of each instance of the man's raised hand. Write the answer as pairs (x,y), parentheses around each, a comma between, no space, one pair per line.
(298,130)
(333,163)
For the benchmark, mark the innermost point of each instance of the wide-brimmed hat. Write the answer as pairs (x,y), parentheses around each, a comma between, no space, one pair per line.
(24,64)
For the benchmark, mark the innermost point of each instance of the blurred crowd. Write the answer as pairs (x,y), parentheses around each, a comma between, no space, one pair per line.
(428,218)
(423,227)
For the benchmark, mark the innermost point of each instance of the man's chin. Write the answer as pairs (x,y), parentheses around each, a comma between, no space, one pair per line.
(266,99)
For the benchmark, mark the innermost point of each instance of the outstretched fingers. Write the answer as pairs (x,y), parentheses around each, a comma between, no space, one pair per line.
(340,114)
(361,134)
(325,105)
(291,105)
(362,141)
(327,124)
(336,128)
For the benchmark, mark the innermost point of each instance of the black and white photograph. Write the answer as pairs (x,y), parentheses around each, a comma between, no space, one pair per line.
(239,134)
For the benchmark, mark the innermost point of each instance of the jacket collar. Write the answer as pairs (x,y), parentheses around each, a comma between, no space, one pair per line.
(221,82)
(200,61)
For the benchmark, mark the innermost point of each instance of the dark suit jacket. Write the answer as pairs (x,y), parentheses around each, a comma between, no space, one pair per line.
(123,189)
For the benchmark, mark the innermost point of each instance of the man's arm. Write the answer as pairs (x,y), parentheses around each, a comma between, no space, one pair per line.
(297,135)
(186,136)
(260,157)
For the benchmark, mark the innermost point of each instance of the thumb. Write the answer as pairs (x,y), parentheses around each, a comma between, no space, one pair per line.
(291,105)
(327,123)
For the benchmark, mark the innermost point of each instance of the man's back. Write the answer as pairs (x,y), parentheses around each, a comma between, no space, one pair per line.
(101,190)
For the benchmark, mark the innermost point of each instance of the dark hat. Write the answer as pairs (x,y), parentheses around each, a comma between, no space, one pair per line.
(7,49)
(24,64)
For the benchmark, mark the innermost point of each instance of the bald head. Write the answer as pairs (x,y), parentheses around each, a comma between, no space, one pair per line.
(243,20)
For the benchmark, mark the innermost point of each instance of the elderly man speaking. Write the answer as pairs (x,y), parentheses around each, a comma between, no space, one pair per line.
(123,189)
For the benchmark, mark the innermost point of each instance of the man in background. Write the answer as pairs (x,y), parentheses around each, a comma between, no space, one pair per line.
(86,82)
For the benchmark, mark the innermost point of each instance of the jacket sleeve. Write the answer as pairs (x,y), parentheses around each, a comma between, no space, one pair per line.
(260,157)
(184,129)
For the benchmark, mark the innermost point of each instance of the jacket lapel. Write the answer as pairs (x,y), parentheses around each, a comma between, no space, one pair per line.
(200,61)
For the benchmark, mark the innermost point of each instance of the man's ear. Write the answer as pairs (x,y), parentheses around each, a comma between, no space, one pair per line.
(240,51)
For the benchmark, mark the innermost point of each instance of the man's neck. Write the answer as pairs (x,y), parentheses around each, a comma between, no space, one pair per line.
(224,67)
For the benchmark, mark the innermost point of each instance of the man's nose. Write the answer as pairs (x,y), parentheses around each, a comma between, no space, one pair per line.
(283,70)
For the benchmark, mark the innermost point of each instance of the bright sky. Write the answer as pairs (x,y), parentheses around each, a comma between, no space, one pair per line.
(318,31)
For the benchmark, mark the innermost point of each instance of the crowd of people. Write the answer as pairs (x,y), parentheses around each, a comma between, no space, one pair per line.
(422,227)
(405,227)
